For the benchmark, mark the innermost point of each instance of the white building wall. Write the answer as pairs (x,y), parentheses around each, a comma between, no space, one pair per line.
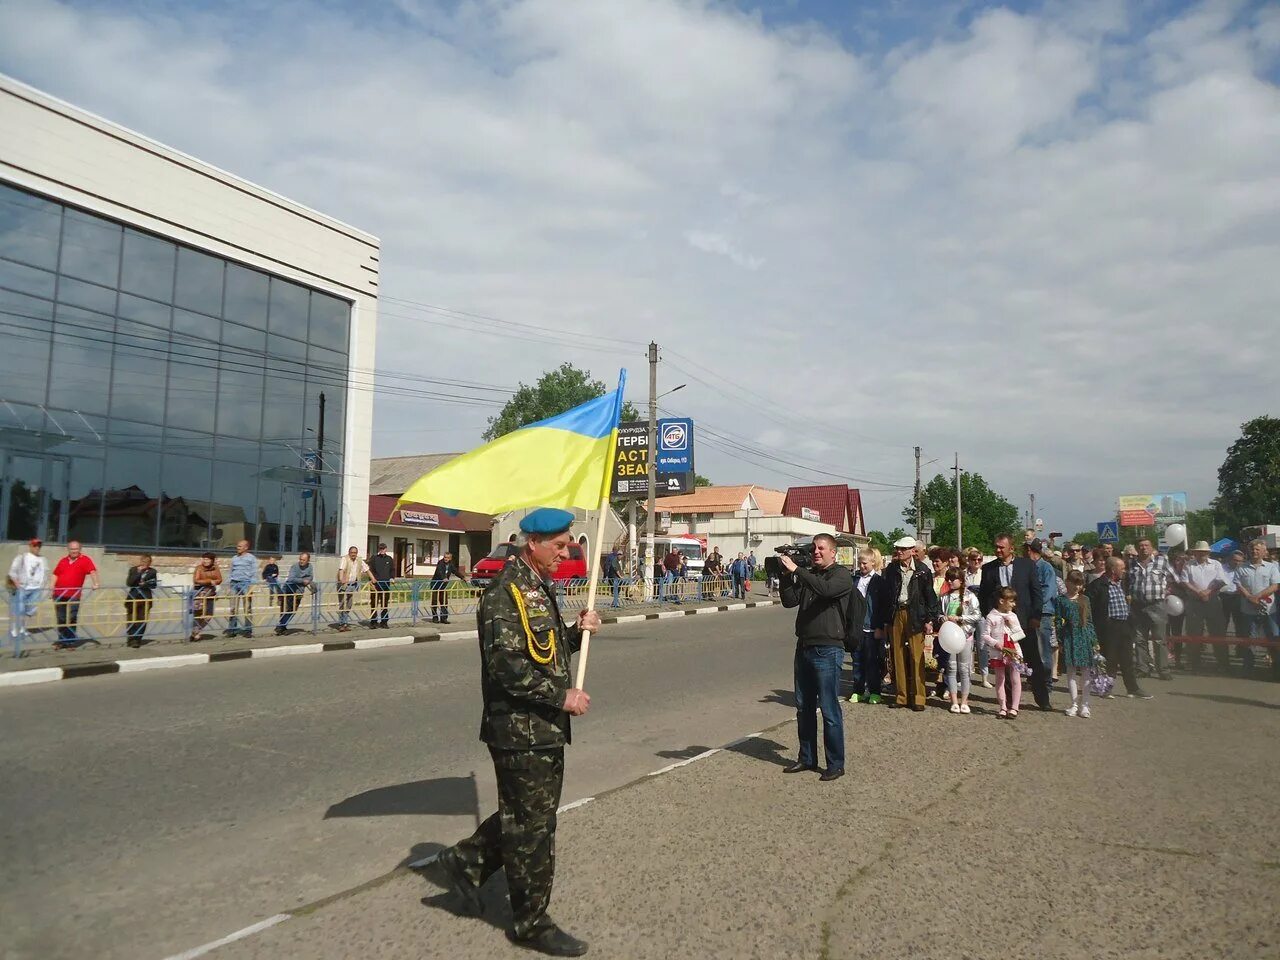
(766,533)
(73,156)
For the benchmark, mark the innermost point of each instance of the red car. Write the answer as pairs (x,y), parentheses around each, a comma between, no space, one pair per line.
(575,568)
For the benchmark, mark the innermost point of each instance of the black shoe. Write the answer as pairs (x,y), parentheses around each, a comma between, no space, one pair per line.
(228,633)
(552,941)
(917,707)
(832,774)
(132,643)
(451,876)
(1045,707)
(281,631)
(446,620)
(799,767)
(435,619)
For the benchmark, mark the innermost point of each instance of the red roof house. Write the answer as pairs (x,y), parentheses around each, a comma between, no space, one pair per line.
(833,503)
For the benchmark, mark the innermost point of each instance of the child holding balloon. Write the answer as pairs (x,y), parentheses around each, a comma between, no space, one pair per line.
(959,608)
(1001,626)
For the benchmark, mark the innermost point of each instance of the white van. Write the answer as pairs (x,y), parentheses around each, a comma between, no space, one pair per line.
(690,547)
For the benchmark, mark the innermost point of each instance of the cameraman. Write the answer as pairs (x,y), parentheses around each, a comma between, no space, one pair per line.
(821,593)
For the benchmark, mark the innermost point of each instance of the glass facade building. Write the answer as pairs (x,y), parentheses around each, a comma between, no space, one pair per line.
(155,396)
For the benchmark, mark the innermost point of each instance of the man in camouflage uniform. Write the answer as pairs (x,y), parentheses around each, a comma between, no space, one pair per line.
(526,684)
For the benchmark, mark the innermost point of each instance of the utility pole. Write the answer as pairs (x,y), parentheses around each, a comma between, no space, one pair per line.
(1032,524)
(919,507)
(653,471)
(959,524)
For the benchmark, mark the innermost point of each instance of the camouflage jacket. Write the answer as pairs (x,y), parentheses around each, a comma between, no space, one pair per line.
(524,661)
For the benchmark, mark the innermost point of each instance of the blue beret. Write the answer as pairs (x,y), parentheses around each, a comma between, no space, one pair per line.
(547,521)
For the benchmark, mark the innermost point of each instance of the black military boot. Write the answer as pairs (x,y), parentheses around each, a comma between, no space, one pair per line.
(550,940)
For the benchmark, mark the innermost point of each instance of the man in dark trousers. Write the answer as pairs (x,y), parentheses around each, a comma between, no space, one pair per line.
(440,588)
(1112,618)
(382,568)
(529,696)
(822,594)
(1006,570)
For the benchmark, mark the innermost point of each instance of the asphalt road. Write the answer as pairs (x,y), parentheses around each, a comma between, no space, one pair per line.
(142,815)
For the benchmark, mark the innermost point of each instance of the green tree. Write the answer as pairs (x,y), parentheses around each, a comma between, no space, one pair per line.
(884,541)
(1086,538)
(986,513)
(1249,478)
(555,392)
(700,481)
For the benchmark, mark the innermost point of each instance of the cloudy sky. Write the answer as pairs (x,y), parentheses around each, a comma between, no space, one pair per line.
(1045,235)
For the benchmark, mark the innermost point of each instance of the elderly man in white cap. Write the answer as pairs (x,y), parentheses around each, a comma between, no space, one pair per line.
(907,605)
(1202,580)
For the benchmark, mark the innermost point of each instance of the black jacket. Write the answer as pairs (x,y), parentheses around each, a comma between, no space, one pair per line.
(1023,580)
(382,566)
(922,600)
(859,605)
(822,596)
(141,583)
(444,570)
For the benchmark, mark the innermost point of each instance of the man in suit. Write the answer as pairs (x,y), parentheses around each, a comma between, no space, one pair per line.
(1006,570)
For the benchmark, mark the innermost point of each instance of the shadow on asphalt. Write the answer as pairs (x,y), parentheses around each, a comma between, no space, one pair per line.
(756,748)
(1230,701)
(785,697)
(442,796)
(495,908)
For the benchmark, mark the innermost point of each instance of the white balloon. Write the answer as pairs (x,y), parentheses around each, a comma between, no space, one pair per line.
(1174,606)
(951,637)
(1175,534)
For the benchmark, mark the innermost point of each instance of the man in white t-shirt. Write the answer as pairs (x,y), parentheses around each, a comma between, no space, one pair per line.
(1202,580)
(350,572)
(28,576)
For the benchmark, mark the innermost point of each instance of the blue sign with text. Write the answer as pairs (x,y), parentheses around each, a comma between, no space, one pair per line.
(1109,532)
(675,445)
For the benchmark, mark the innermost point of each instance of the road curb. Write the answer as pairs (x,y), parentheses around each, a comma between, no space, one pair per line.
(98,668)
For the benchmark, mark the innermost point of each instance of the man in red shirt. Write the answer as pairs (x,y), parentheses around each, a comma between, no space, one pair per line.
(68,584)
(671,568)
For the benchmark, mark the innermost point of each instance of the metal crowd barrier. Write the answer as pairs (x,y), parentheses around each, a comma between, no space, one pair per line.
(111,614)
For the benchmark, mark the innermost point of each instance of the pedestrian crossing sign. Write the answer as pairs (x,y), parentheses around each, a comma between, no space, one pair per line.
(1109,532)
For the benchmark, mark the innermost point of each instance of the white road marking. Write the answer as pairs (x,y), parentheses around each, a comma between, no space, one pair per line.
(21,678)
(668,614)
(459,635)
(286,651)
(371,643)
(162,663)
(684,763)
(212,945)
(575,804)
(631,618)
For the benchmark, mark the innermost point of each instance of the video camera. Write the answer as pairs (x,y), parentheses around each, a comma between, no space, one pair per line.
(801,555)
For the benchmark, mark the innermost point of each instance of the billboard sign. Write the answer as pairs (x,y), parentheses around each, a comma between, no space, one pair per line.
(675,445)
(1152,509)
(631,466)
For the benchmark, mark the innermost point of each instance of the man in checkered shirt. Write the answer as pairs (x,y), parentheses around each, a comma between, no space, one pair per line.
(1150,577)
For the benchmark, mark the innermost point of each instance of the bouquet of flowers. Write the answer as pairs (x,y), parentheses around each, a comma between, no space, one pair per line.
(1100,682)
(1024,670)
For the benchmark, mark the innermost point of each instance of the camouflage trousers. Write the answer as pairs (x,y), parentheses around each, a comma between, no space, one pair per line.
(521,836)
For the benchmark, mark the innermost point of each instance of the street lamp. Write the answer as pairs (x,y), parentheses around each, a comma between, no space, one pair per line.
(669,392)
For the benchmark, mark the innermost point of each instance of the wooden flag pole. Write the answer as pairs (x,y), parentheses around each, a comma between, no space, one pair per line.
(593,572)
(597,544)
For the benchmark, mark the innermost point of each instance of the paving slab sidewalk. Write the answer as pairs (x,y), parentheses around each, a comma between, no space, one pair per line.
(1132,834)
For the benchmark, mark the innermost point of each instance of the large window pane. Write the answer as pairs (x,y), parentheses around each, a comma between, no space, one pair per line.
(193,384)
(285,389)
(199,282)
(196,325)
(186,483)
(235,498)
(131,485)
(91,249)
(26,324)
(239,396)
(148,266)
(29,228)
(138,372)
(153,314)
(24,279)
(246,296)
(80,372)
(84,510)
(87,295)
(330,318)
(288,309)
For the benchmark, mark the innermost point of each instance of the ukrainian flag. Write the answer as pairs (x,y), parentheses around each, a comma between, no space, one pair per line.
(564,461)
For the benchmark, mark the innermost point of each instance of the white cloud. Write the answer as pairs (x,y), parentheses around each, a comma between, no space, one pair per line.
(1044,239)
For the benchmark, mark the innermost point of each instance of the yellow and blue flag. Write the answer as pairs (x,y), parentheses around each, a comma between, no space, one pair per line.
(564,461)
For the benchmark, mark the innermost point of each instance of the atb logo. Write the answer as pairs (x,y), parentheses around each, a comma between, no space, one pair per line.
(675,437)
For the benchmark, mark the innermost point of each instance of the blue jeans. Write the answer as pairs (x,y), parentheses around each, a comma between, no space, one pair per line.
(817,679)
(868,664)
(68,613)
(22,604)
(1046,642)
(669,591)
(240,601)
(381,593)
(290,600)
(617,591)
(1258,626)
